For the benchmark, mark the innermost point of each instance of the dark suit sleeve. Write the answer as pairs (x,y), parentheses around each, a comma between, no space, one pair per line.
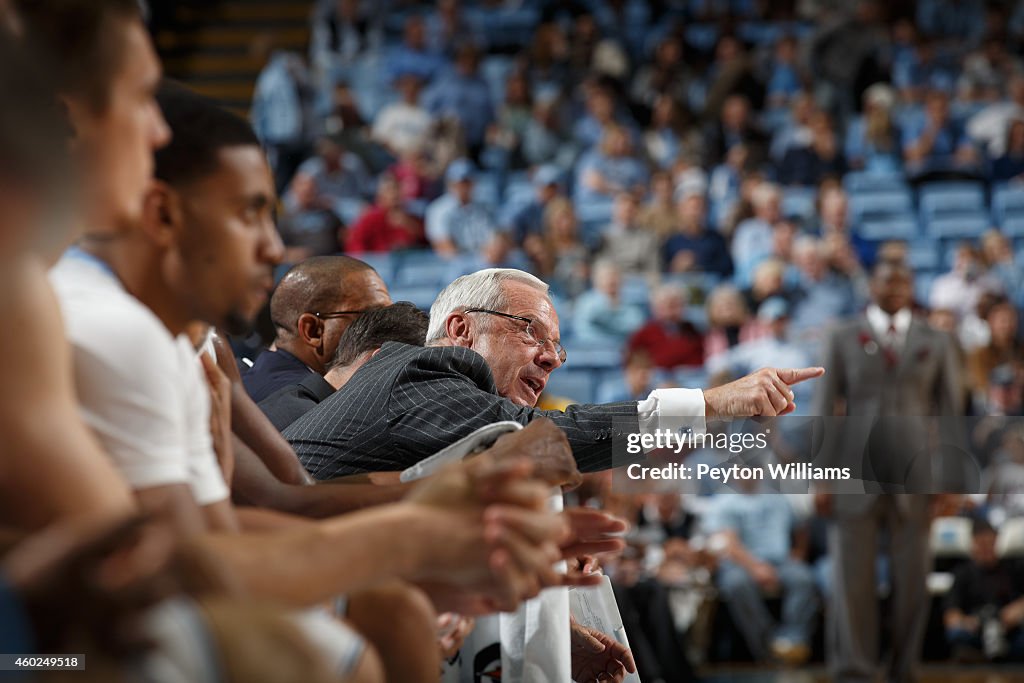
(442,397)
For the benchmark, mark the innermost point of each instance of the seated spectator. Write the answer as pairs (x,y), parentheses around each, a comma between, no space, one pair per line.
(446,26)
(666,135)
(385,226)
(819,158)
(463,96)
(400,322)
(1003,479)
(456,224)
(666,75)
(920,70)
(760,558)
(281,110)
(776,346)
(729,321)
(986,70)
(988,128)
(310,308)
(404,127)
(523,220)
(558,254)
(668,338)
(961,289)
(693,247)
(601,112)
(340,34)
(309,223)
(1010,166)
(872,138)
(659,213)
(600,316)
(413,55)
(823,295)
(735,126)
(612,168)
(795,131)
(627,243)
(418,178)
(784,78)
(937,142)
(544,137)
(769,280)
(984,610)
(514,114)
(1003,264)
(833,224)
(340,177)
(638,379)
(752,242)
(1004,348)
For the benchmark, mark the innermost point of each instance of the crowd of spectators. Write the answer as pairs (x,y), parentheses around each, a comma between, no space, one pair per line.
(704,185)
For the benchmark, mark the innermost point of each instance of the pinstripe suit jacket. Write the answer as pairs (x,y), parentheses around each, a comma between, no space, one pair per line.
(408,402)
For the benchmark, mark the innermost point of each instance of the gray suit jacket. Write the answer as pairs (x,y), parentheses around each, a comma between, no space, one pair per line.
(408,402)
(883,437)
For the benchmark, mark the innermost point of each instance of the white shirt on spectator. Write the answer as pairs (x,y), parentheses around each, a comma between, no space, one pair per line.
(140,389)
(403,127)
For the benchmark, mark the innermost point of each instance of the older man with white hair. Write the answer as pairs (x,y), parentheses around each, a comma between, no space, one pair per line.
(492,343)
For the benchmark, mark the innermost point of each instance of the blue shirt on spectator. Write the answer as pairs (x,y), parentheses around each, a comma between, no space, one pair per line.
(278,113)
(469,226)
(762,521)
(596,319)
(709,250)
(466,98)
(751,244)
(623,173)
(404,60)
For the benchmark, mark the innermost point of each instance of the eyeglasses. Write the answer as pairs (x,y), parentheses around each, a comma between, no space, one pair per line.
(558,348)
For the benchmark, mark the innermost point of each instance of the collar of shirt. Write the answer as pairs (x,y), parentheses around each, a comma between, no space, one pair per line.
(880,322)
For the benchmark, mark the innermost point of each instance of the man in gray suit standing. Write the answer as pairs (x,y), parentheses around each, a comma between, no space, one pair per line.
(886,372)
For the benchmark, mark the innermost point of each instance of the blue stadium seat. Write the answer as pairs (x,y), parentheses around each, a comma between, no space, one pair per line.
(422,296)
(895,228)
(957,227)
(593,357)
(880,204)
(611,387)
(857,182)
(423,274)
(1007,202)
(384,264)
(941,204)
(578,385)
(690,378)
(923,256)
(970,191)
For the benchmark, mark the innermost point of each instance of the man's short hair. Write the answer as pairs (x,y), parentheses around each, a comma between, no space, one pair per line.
(482,289)
(399,322)
(77,42)
(315,285)
(200,128)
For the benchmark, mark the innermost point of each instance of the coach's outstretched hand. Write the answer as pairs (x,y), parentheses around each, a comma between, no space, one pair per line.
(763,393)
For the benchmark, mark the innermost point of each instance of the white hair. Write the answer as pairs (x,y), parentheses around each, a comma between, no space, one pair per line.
(482,289)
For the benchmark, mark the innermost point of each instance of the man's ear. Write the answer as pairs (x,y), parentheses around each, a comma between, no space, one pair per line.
(459,330)
(162,214)
(310,330)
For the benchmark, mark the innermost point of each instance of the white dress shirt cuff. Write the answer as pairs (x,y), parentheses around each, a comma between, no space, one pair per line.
(678,410)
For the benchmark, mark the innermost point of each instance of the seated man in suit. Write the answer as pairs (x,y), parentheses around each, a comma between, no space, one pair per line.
(401,322)
(310,308)
(491,345)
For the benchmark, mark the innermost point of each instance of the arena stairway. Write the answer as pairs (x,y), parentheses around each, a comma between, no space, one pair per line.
(219,47)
